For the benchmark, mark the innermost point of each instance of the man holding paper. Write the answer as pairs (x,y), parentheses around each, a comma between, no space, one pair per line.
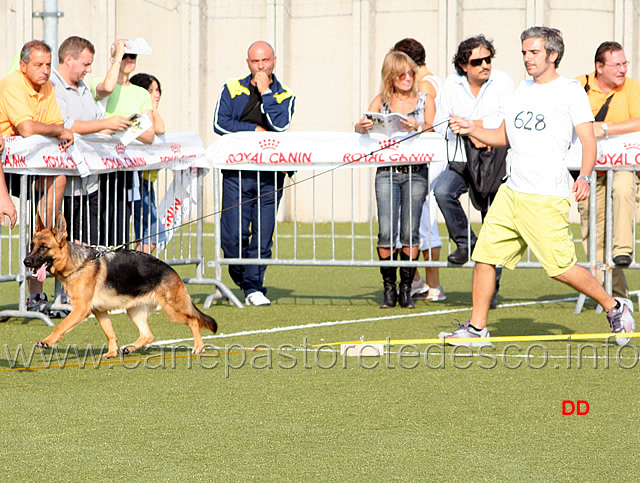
(118,190)
(83,116)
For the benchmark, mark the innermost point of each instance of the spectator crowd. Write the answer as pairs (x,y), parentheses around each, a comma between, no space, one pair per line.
(506,148)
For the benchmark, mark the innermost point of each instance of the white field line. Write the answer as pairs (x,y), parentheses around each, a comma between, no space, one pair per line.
(352,321)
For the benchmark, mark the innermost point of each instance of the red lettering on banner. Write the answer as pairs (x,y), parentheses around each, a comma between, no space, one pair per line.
(383,156)
(15,161)
(58,162)
(171,211)
(244,157)
(108,162)
(273,158)
(617,159)
(164,159)
(292,158)
(125,162)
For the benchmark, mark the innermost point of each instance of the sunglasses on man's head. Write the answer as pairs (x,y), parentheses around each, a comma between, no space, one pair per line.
(130,56)
(478,62)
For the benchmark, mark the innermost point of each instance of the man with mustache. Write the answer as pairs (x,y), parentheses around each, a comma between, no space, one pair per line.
(615,103)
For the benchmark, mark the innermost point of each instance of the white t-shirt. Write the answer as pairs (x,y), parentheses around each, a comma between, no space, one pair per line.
(540,121)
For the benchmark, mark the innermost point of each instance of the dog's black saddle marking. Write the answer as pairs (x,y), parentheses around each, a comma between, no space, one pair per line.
(134,273)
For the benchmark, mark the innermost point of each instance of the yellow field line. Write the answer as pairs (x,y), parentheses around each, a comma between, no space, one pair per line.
(508,338)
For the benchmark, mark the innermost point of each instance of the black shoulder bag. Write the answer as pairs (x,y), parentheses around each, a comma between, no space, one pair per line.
(486,169)
(602,114)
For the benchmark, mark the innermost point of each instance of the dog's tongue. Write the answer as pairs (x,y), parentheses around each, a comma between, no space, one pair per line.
(41,274)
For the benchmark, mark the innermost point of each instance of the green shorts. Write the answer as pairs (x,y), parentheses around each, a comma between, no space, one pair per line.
(517,220)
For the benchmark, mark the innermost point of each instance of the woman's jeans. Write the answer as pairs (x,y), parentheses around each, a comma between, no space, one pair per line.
(400,192)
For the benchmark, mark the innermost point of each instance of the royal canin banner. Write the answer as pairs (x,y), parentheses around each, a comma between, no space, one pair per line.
(96,153)
(312,150)
(617,152)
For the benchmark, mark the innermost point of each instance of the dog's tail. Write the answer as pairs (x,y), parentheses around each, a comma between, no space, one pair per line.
(205,321)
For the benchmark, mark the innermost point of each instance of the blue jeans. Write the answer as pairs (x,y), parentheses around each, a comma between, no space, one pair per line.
(402,193)
(448,189)
(248,229)
(145,215)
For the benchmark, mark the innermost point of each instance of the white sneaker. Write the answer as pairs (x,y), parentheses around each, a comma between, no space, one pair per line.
(419,287)
(466,332)
(436,294)
(256,298)
(621,320)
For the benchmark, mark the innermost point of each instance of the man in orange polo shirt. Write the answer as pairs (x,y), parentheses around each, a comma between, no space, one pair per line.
(615,102)
(28,106)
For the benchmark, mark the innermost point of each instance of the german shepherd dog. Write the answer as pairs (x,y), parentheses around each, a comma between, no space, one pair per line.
(101,280)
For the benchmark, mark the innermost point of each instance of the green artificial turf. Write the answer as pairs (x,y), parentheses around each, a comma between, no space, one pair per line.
(304,415)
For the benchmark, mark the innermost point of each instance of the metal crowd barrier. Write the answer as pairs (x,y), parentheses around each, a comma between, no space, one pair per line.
(297,242)
(348,244)
(358,249)
(607,265)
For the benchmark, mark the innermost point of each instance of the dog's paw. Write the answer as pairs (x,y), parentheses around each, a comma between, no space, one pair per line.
(42,344)
(110,354)
(199,350)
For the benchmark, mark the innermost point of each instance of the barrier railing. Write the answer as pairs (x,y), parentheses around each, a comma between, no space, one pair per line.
(331,164)
(332,193)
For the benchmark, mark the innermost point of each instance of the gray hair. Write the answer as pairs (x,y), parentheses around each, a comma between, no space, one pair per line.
(552,40)
(25,53)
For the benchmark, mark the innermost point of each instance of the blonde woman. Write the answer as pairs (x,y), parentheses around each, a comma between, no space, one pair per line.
(400,190)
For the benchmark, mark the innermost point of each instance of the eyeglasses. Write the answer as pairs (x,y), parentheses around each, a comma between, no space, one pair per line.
(478,62)
(406,74)
(130,56)
(618,66)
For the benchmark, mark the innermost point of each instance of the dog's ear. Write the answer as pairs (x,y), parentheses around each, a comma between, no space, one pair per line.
(60,230)
(39,224)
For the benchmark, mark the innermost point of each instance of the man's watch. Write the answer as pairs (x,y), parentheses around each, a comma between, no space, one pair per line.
(605,128)
(586,178)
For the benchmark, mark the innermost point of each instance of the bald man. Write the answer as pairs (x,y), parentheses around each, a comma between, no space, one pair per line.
(257,102)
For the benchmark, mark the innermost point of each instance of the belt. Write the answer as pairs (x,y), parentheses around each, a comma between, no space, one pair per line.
(414,168)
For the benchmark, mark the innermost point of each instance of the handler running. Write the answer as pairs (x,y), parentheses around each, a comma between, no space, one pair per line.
(532,208)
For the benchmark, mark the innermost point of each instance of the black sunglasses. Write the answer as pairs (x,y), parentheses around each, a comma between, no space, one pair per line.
(478,62)
(135,56)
